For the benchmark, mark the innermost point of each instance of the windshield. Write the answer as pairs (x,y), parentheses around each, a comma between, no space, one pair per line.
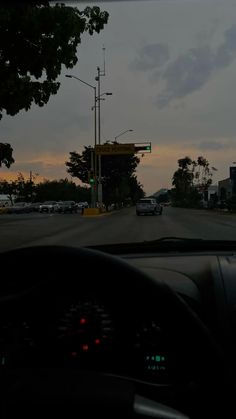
(106,103)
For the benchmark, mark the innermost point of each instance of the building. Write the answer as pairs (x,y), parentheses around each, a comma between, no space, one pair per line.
(225,189)
(211,192)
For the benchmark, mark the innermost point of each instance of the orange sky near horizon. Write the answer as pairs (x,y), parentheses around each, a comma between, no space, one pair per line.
(155,170)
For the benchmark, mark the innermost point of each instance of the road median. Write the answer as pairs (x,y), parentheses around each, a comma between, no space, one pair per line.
(94,212)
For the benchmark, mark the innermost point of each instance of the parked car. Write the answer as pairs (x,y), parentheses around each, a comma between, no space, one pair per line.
(36,206)
(49,206)
(20,208)
(222,204)
(148,206)
(67,206)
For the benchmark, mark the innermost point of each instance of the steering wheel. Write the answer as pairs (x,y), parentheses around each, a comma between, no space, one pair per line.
(66,391)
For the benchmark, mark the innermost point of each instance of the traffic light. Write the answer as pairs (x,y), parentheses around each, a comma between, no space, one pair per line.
(143,148)
(91,177)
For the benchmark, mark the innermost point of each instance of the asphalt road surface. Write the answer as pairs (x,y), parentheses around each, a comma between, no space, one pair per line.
(117,227)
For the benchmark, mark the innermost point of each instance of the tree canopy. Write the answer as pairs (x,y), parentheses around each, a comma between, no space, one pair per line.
(6,155)
(27,190)
(118,174)
(36,39)
(60,190)
(191,180)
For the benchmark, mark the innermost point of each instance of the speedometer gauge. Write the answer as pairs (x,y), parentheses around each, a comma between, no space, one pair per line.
(85,327)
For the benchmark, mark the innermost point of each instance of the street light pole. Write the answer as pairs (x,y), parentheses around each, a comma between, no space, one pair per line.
(100,197)
(99,107)
(95,143)
(93,196)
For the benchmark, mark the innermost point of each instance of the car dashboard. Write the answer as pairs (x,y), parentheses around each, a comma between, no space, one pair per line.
(54,325)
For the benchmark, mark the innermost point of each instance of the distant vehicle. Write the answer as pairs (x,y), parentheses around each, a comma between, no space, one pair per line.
(148,206)
(81,205)
(111,207)
(49,206)
(36,206)
(67,206)
(20,208)
(222,204)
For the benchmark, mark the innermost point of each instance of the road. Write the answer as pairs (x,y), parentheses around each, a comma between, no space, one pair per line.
(116,227)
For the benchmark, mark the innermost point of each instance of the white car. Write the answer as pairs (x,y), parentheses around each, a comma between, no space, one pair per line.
(148,206)
(49,206)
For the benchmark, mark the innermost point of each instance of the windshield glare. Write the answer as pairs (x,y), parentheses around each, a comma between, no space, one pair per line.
(140,111)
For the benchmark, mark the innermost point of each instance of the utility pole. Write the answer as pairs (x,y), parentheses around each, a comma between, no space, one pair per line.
(94,186)
(100,73)
(30,181)
(92,180)
(100,198)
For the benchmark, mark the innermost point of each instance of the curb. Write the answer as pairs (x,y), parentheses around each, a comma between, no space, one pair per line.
(96,215)
(102,214)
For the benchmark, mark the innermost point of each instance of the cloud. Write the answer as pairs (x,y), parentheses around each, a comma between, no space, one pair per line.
(226,53)
(186,74)
(190,71)
(211,145)
(207,32)
(221,143)
(151,56)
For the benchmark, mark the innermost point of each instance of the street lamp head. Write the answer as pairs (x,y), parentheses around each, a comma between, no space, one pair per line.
(69,76)
(123,132)
(108,93)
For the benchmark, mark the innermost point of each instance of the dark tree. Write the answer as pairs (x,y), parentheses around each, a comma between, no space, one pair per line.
(118,179)
(36,39)
(191,180)
(183,177)
(60,190)
(6,155)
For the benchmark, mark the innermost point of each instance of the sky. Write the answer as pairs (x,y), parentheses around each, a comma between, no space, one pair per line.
(171,66)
